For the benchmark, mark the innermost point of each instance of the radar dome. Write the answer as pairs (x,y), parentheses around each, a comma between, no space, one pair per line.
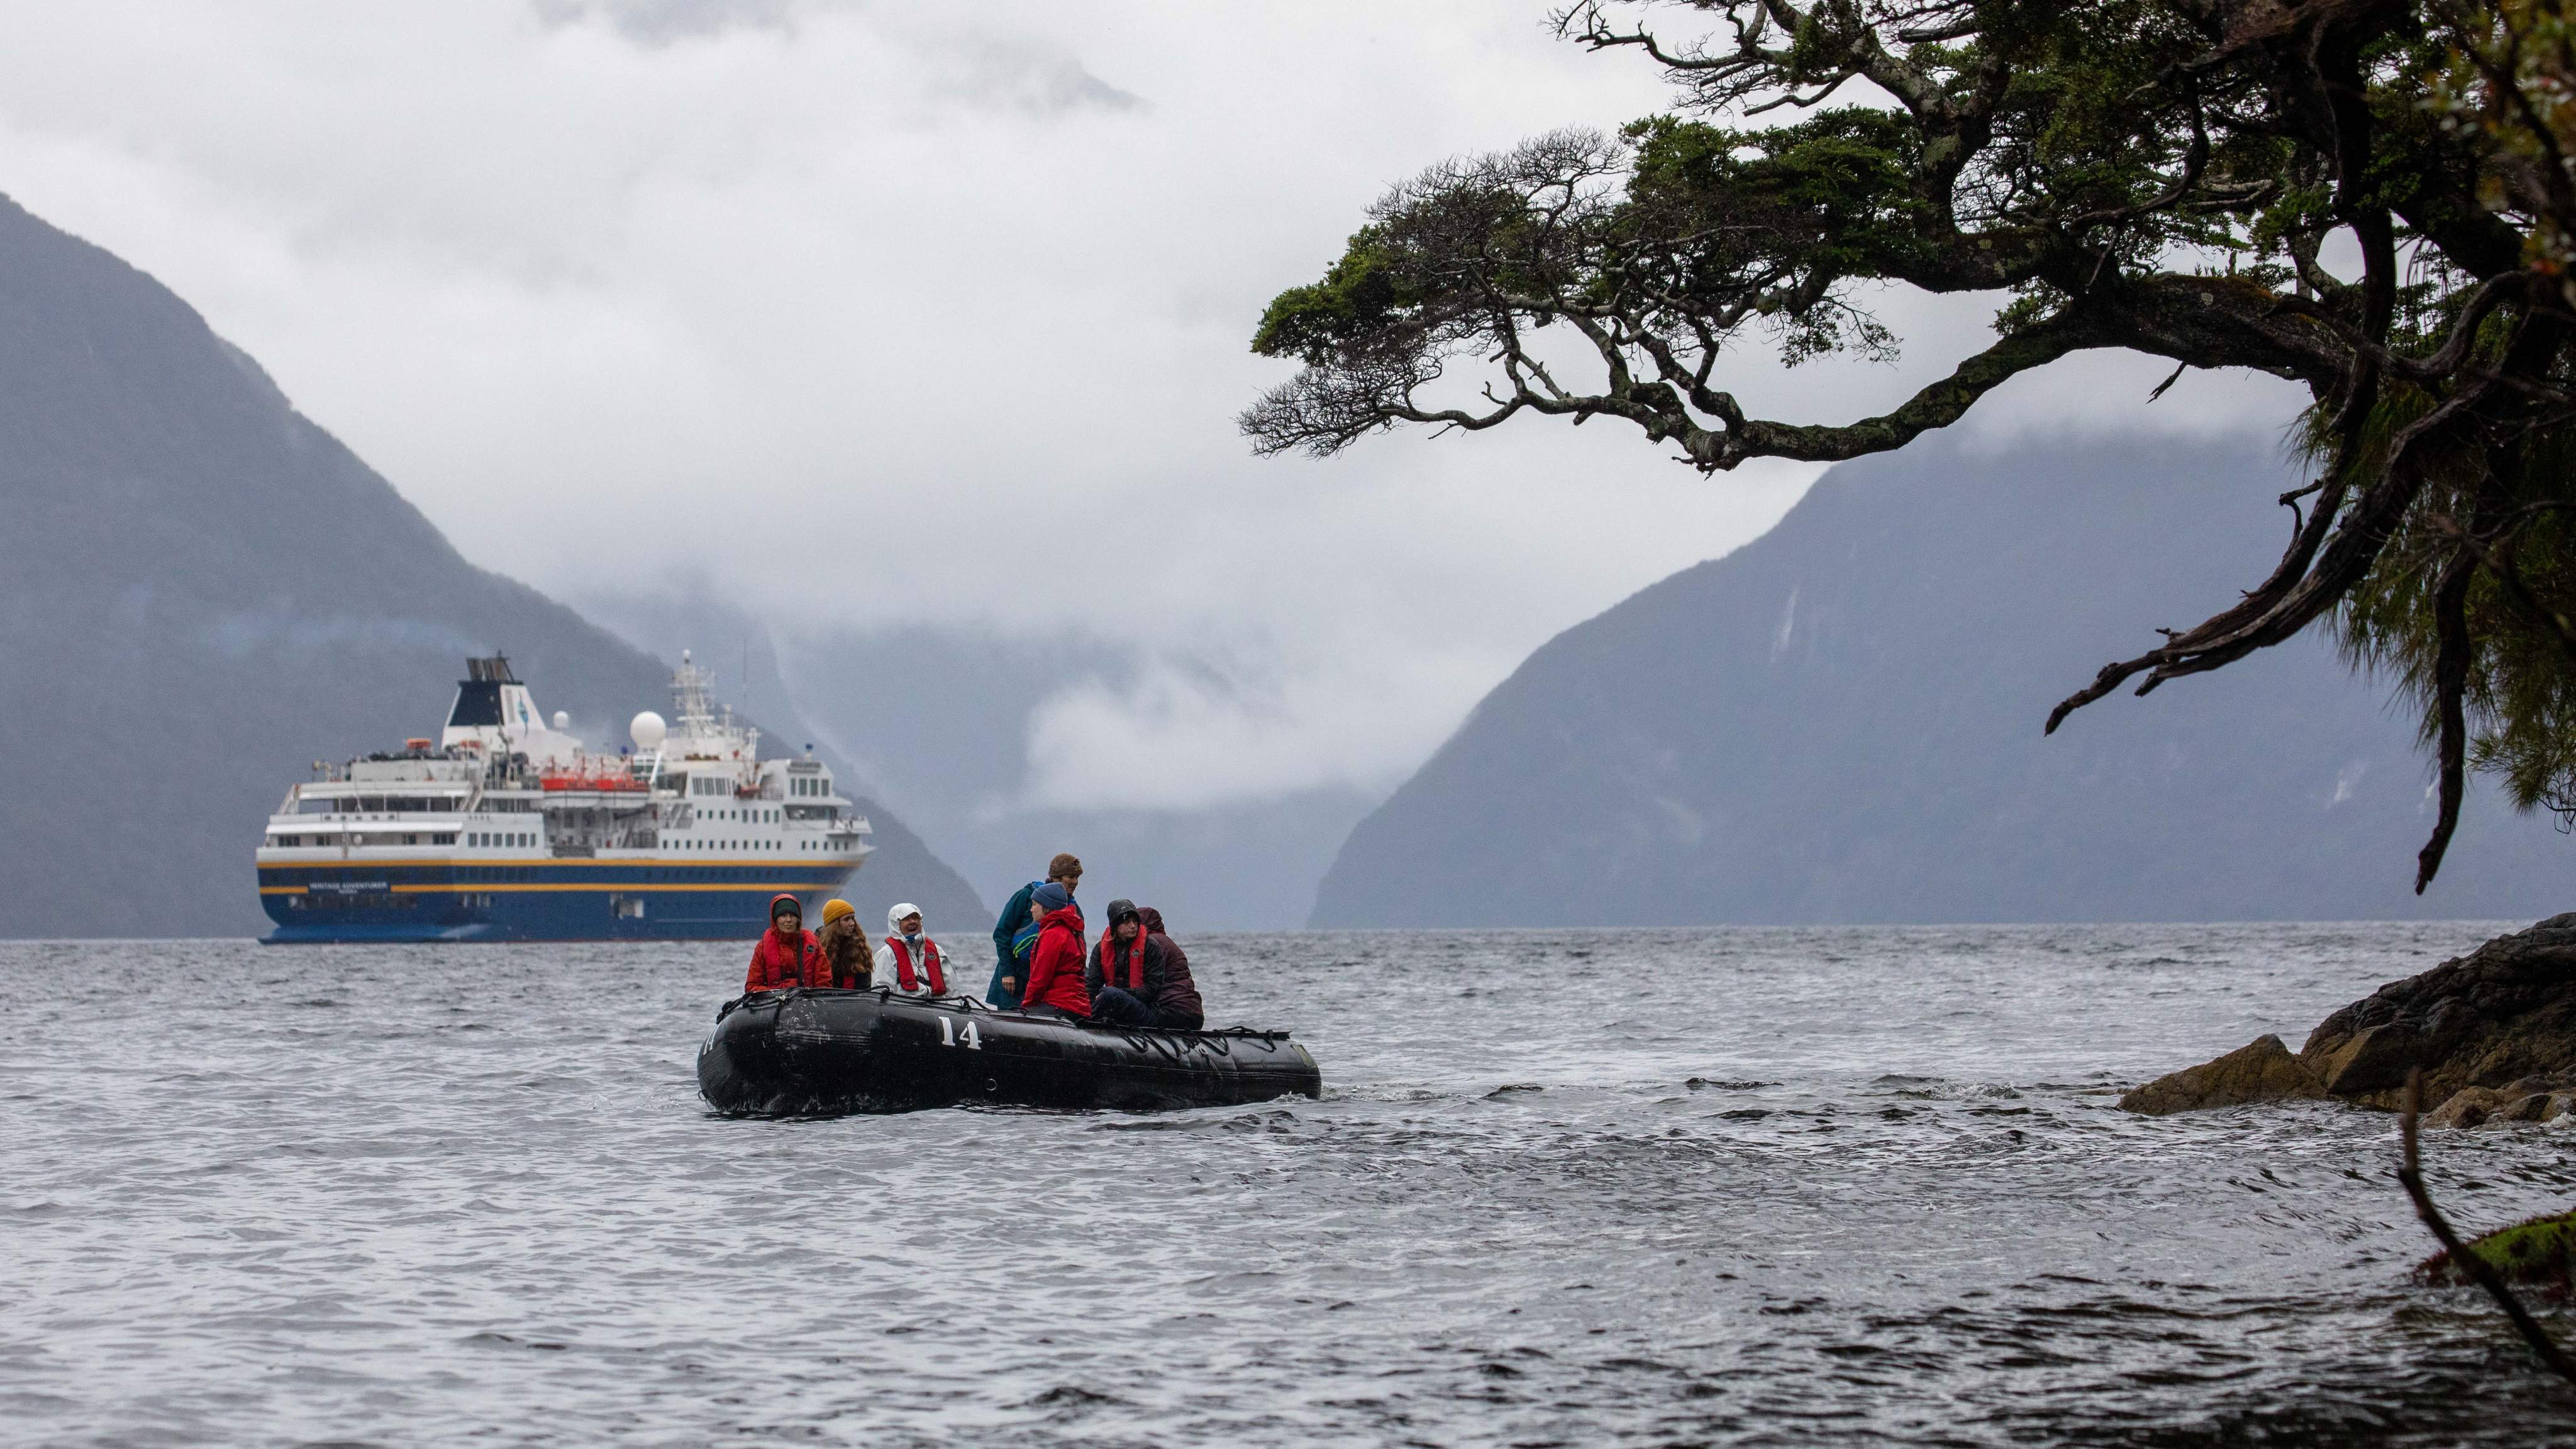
(563,721)
(647,729)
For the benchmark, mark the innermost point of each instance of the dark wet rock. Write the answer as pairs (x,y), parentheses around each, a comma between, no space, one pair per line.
(2503,1013)
(2261,1071)
(2530,1100)
(2493,1032)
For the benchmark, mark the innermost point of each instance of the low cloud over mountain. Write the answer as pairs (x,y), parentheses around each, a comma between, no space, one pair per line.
(202,592)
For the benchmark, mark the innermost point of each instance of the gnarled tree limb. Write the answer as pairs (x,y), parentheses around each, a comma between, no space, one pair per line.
(2410,1175)
(2161,177)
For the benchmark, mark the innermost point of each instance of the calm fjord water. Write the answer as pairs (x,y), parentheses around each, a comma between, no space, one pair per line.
(1725,1186)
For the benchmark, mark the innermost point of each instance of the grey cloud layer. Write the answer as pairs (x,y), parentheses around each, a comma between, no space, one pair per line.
(892,317)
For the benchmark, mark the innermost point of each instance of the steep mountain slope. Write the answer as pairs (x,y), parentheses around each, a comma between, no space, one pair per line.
(202,592)
(1841,722)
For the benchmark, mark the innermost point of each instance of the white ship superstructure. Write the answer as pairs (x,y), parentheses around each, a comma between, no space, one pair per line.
(507,828)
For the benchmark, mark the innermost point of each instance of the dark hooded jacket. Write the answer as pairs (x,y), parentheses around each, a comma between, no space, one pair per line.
(1179,995)
(1137,966)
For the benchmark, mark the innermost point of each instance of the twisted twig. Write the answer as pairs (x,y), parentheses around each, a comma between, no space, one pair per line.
(2480,1271)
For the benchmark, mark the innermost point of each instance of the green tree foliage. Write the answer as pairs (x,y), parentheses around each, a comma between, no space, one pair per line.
(2157,175)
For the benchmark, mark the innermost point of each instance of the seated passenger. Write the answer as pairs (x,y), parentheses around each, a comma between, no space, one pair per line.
(787,955)
(1055,965)
(1178,1007)
(909,961)
(1126,971)
(1132,975)
(846,946)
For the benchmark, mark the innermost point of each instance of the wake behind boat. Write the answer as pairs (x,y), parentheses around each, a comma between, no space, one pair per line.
(819,1052)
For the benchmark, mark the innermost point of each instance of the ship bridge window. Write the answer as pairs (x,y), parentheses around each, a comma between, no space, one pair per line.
(316,805)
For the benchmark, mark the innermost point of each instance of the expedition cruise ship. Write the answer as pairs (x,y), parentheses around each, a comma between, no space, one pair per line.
(507,829)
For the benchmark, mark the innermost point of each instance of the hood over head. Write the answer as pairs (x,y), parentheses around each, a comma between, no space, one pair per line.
(895,914)
(1153,920)
(785,901)
(1119,910)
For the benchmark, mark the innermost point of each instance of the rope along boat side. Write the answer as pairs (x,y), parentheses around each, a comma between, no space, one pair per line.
(812,1052)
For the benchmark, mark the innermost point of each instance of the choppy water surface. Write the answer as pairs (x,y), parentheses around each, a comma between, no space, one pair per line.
(1789,1187)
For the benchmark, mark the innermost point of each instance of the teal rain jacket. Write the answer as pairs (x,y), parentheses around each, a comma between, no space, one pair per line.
(1015,914)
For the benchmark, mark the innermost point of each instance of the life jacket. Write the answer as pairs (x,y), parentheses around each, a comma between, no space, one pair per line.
(1135,961)
(778,964)
(905,976)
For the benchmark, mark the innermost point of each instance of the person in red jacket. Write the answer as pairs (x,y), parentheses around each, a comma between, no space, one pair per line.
(1055,964)
(787,954)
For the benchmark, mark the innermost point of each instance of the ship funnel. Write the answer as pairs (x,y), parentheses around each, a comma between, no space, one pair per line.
(648,730)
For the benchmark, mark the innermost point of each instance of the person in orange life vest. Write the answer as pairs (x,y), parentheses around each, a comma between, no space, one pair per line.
(1055,964)
(909,961)
(787,954)
(846,946)
(1127,973)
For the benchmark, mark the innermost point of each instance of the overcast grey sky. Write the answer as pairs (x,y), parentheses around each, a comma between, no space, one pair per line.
(890,313)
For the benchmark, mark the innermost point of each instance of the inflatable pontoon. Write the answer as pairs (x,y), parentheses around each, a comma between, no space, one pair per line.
(818,1053)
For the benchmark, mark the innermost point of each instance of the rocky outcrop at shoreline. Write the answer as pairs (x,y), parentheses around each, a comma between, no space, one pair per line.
(2493,1032)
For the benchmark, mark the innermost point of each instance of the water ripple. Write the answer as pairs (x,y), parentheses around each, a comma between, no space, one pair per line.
(1654,1187)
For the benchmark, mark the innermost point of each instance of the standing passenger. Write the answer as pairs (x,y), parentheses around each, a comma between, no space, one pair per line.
(909,960)
(787,955)
(1015,933)
(1054,986)
(845,945)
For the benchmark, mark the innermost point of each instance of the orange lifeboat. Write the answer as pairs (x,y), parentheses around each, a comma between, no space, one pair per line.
(607,778)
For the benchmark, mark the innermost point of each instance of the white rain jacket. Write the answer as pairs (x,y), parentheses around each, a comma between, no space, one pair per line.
(889,971)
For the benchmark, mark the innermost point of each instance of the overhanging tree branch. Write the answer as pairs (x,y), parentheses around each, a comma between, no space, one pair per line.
(2161,177)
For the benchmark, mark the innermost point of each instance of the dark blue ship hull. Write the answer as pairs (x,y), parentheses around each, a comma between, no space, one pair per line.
(536,900)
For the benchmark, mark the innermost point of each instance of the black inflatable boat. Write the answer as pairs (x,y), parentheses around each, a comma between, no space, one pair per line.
(810,1053)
